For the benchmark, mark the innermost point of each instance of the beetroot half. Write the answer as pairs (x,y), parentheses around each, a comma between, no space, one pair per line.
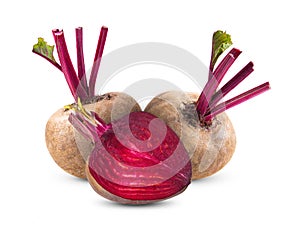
(137,159)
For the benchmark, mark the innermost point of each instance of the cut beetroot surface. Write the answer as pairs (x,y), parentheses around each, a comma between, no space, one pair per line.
(138,163)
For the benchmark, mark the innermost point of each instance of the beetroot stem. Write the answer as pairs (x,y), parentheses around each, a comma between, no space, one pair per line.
(213,83)
(89,128)
(97,60)
(231,84)
(101,125)
(80,59)
(89,124)
(78,123)
(237,100)
(49,60)
(67,66)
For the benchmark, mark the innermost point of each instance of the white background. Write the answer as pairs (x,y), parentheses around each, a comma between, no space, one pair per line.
(259,187)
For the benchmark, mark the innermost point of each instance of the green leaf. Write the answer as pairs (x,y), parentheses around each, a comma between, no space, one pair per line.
(221,41)
(46,51)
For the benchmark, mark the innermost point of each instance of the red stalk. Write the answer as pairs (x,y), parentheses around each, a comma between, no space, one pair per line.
(49,60)
(211,65)
(80,59)
(91,131)
(97,60)
(102,127)
(231,84)
(237,100)
(215,80)
(67,66)
(78,122)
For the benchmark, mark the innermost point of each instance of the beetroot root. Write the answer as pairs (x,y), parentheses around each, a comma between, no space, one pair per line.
(210,147)
(200,120)
(67,147)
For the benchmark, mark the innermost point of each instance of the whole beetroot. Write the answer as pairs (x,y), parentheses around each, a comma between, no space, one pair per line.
(199,120)
(210,147)
(68,149)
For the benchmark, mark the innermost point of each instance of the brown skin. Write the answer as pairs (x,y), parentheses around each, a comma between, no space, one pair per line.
(67,147)
(210,146)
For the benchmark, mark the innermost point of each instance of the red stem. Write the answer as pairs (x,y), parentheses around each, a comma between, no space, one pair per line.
(213,83)
(97,60)
(211,66)
(237,100)
(101,125)
(49,60)
(92,131)
(80,59)
(67,66)
(78,123)
(231,84)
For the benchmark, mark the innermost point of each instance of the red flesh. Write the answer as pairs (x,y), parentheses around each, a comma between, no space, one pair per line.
(139,158)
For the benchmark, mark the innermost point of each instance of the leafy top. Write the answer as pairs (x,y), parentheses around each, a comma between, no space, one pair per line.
(46,51)
(221,41)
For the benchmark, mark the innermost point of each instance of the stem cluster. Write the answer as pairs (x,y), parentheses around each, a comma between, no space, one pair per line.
(208,104)
(77,81)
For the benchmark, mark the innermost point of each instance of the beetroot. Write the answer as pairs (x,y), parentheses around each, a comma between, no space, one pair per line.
(68,149)
(199,120)
(137,159)
(66,146)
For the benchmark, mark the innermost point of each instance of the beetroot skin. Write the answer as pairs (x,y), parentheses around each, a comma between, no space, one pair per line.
(67,147)
(137,159)
(210,148)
